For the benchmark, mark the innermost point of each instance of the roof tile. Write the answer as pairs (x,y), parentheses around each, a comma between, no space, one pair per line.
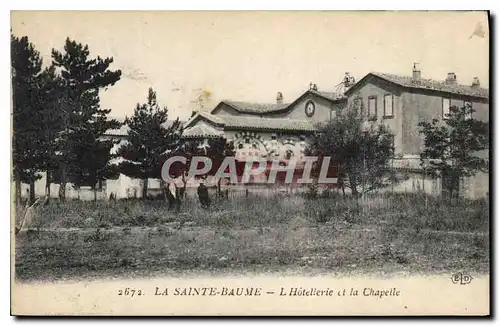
(252,107)
(407,81)
(245,122)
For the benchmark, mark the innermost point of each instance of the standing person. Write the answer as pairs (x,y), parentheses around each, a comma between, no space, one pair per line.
(203,195)
(171,195)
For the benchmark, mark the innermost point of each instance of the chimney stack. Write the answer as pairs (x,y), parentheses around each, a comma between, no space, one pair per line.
(451,79)
(475,83)
(417,74)
(279,98)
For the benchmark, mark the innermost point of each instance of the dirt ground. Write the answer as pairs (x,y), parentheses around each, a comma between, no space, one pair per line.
(171,249)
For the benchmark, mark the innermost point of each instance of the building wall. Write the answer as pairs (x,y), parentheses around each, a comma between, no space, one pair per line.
(411,107)
(264,143)
(122,187)
(321,113)
(395,123)
(421,106)
(476,186)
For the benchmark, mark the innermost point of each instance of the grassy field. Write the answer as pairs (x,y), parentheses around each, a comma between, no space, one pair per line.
(384,234)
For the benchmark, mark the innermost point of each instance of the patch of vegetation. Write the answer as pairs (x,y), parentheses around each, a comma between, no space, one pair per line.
(324,234)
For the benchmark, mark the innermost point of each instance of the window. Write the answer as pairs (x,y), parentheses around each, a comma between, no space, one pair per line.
(468,107)
(240,146)
(288,154)
(101,185)
(333,114)
(446,107)
(388,102)
(372,106)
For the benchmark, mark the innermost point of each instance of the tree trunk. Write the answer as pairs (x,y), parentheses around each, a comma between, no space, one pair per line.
(32,192)
(18,187)
(184,183)
(95,193)
(353,182)
(145,188)
(62,185)
(170,197)
(177,199)
(219,193)
(47,185)
(162,187)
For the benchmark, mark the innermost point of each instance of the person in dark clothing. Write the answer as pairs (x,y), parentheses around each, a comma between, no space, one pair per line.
(170,197)
(203,195)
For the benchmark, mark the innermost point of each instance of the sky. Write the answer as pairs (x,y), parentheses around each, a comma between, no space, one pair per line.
(250,56)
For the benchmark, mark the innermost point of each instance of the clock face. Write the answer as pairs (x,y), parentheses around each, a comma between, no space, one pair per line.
(310,108)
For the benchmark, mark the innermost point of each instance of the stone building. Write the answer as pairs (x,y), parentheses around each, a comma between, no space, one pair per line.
(401,102)
(273,130)
(279,130)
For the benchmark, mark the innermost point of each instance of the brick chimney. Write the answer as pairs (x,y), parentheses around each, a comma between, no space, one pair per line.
(416,73)
(279,98)
(451,79)
(475,83)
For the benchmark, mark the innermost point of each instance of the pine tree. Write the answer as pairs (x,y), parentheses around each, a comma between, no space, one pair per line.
(216,149)
(452,148)
(84,121)
(150,139)
(51,124)
(26,66)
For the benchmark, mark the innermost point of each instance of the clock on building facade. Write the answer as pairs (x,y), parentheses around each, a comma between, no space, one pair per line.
(310,108)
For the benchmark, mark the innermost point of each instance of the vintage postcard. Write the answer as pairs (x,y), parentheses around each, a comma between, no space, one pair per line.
(221,163)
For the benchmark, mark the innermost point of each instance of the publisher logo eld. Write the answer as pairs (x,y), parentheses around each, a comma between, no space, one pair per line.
(461,278)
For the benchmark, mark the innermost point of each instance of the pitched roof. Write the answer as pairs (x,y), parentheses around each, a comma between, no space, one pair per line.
(269,123)
(123,130)
(265,108)
(428,84)
(201,131)
(214,118)
(245,122)
(252,107)
(332,96)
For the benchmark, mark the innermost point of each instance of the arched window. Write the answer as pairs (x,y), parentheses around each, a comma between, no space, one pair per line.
(288,154)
